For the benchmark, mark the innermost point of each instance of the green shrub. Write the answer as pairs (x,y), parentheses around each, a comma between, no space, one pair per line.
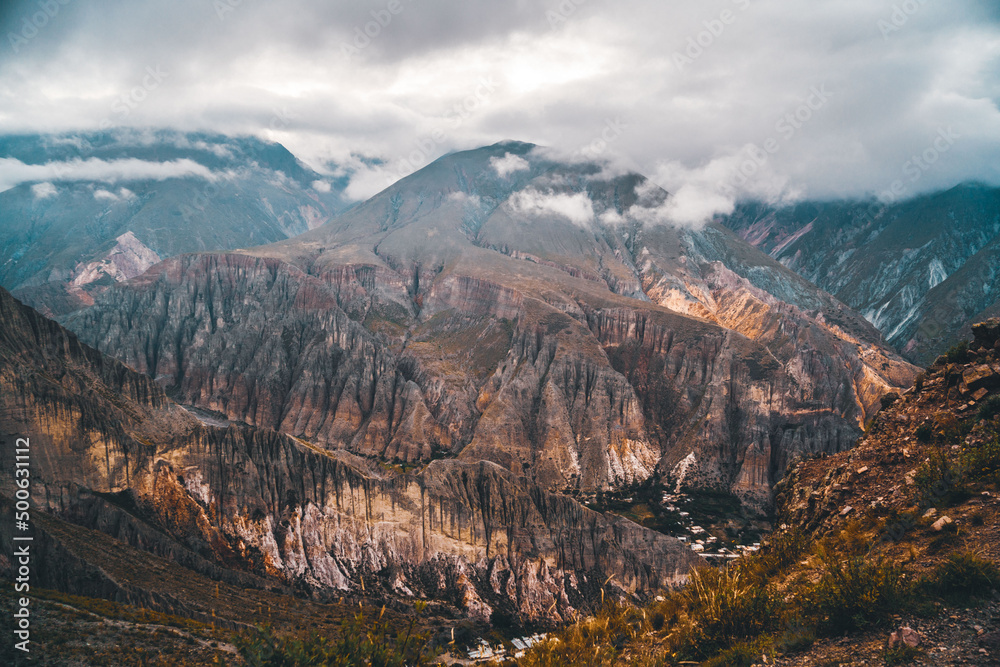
(727,606)
(360,641)
(958,354)
(855,593)
(940,482)
(989,409)
(925,432)
(795,638)
(961,578)
(778,552)
(593,641)
(743,654)
(983,460)
(900,654)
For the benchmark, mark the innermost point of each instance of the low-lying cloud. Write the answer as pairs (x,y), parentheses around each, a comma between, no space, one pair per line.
(13,172)
(508,164)
(577,207)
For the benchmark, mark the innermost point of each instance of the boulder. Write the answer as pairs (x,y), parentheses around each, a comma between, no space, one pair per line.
(905,635)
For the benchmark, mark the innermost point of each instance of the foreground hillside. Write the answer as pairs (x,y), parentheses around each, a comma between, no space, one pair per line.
(901,534)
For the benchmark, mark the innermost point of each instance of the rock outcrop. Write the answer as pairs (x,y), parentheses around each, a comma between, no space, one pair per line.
(253,507)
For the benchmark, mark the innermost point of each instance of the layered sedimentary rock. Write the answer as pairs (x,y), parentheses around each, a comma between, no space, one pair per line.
(465,313)
(254,507)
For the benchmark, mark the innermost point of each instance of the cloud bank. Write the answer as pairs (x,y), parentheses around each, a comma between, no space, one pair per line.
(14,172)
(845,92)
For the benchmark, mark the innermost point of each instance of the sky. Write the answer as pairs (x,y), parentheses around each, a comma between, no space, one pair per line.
(714,100)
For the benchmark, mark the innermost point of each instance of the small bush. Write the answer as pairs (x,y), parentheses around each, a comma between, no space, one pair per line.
(925,432)
(743,654)
(855,593)
(961,578)
(592,641)
(958,354)
(360,641)
(778,552)
(795,638)
(989,409)
(940,482)
(900,654)
(727,605)
(983,460)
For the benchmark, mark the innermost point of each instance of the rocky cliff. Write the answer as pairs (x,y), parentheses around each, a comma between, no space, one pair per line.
(464,313)
(252,507)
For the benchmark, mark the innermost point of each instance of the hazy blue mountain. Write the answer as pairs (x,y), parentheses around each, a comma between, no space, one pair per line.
(99,210)
(922,270)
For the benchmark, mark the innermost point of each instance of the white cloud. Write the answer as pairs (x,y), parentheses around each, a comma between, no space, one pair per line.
(577,208)
(14,172)
(44,190)
(697,194)
(508,164)
(104,195)
(417,89)
(464,198)
(321,186)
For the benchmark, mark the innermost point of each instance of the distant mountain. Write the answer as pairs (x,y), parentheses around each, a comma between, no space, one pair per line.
(100,208)
(519,310)
(922,271)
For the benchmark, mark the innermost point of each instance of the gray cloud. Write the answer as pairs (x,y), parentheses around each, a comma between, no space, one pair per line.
(697,89)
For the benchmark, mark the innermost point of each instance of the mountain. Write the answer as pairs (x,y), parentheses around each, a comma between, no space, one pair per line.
(501,306)
(260,512)
(922,270)
(101,208)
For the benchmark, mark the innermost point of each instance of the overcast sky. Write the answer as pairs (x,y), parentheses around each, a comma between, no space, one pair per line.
(686,91)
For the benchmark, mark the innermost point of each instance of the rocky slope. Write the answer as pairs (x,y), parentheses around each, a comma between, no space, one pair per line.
(886,554)
(922,271)
(542,318)
(257,509)
(102,208)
